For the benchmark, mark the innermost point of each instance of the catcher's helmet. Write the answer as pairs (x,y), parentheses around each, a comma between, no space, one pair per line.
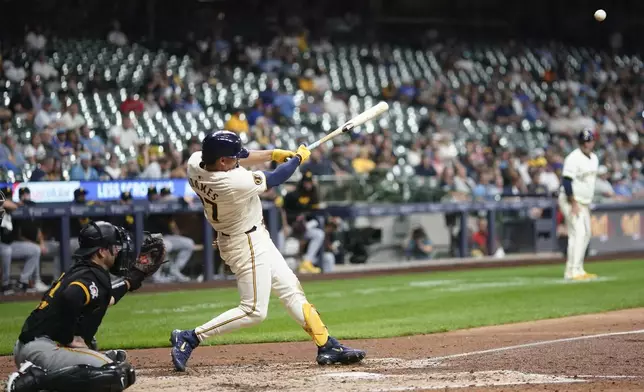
(221,144)
(104,235)
(587,135)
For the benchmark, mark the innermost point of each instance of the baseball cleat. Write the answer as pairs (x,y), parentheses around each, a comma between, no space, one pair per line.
(183,342)
(334,353)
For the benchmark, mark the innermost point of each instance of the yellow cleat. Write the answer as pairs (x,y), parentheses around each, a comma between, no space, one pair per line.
(307,267)
(591,276)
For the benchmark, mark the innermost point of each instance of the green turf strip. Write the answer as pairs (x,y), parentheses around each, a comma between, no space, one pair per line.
(371,307)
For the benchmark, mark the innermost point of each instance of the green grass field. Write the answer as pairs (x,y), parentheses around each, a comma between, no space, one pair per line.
(372,307)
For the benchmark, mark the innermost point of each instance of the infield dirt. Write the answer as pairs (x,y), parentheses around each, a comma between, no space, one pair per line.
(609,362)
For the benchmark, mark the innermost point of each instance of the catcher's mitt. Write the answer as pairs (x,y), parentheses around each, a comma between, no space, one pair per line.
(150,259)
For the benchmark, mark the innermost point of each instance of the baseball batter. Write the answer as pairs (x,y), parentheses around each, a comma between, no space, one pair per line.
(230,196)
(578,187)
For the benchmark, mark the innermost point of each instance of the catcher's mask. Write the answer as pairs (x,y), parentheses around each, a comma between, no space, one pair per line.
(104,235)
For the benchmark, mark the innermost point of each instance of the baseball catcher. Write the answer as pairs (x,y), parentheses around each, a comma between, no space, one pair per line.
(56,350)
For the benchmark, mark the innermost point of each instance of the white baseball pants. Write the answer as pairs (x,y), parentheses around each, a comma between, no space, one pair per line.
(579,234)
(259,268)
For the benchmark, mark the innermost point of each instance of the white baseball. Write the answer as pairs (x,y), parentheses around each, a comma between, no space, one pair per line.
(600,15)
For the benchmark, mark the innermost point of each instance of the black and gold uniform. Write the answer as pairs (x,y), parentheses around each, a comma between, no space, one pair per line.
(52,350)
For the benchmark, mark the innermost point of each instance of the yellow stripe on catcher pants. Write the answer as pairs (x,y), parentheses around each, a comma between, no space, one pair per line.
(259,268)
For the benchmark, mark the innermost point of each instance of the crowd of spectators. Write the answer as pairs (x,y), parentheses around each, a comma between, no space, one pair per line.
(605,95)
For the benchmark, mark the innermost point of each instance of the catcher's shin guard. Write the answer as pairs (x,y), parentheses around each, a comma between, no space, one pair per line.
(111,377)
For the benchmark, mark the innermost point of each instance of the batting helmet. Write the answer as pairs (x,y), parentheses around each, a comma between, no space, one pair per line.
(587,135)
(221,144)
(104,235)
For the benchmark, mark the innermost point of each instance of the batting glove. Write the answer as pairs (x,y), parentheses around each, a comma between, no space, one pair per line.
(281,156)
(304,153)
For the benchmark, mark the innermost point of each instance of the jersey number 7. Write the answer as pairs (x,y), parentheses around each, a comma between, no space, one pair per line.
(213,208)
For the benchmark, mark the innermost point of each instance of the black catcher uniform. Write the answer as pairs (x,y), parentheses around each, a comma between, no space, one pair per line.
(54,350)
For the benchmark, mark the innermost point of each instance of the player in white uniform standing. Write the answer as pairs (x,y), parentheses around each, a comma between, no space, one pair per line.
(577,190)
(230,196)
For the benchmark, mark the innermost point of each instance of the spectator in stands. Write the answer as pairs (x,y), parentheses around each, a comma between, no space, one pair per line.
(157,168)
(335,105)
(72,119)
(487,188)
(132,104)
(363,163)
(419,246)
(190,104)
(237,122)
(91,143)
(462,183)
(21,102)
(318,165)
(61,144)
(637,153)
(620,185)
(535,188)
(114,169)
(116,36)
(151,105)
(321,82)
(480,242)
(636,182)
(44,170)
(42,68)
(285,105)
(253,53)
(35,39)
(300,206)
(47,117)
(407,91)
(83,171)
(35,151)
(13,73)
(14,151)
(425,169)
(125,135)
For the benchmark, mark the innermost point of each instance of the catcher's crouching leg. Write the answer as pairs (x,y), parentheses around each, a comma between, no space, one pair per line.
(112,377)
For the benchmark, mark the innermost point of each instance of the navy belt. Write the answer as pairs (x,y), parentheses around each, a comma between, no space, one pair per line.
(246,232)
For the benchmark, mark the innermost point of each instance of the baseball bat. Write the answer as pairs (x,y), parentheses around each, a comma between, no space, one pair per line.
(358,120)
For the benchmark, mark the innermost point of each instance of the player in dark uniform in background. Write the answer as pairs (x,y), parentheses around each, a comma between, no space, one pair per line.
(76,224)
(180,246)
(125,221)
(299,206)
(52,351)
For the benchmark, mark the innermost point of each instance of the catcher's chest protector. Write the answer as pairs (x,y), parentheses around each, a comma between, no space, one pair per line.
(48,318)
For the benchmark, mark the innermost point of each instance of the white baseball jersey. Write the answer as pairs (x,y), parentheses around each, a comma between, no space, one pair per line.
(230,198)
(583,171)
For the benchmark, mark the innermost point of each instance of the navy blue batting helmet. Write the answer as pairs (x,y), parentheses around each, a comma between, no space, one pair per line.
(221,144)
(587,135)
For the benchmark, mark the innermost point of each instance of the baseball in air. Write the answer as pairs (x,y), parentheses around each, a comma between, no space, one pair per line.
(600,15)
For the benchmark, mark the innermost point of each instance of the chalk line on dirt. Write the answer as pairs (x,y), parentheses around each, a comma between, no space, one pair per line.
(535,344)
